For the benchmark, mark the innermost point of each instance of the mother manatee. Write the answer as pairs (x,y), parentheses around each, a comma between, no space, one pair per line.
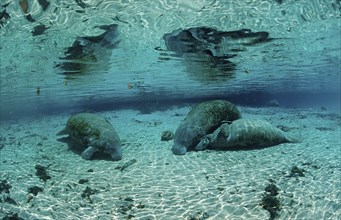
(203,119)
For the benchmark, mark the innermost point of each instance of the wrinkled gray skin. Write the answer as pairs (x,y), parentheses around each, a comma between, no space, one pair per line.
(200,121)
(245,133)
(92,133)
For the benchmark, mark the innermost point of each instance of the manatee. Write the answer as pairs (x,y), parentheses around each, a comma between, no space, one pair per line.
(203,119)
(92,133)
(244,134)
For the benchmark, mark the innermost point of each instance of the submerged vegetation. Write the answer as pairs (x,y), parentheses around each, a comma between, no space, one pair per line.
(5,186)
(87,192)
(270,201)
(41,172)
(296,172)
(81,128)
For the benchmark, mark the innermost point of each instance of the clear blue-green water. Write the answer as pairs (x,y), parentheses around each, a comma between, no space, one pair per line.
(112,58)
(303,60)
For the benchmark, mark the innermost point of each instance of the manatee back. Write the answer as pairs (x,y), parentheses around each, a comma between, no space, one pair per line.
(86,127)
(254,133)
(210,114)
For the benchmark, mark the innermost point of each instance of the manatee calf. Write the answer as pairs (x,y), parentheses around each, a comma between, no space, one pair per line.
(92,133)
(245,133)
(203,119)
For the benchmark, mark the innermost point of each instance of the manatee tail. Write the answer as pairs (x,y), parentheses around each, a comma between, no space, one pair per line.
(293,138)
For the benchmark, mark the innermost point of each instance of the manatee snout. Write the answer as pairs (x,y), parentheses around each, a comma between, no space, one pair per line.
(183,140)
(116,156)
(112,147)
(115,152)
(178,149)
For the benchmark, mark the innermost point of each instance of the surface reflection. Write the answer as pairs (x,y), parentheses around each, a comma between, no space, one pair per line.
(90,51)
(207,52)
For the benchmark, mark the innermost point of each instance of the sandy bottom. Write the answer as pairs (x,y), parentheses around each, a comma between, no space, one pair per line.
(160,185)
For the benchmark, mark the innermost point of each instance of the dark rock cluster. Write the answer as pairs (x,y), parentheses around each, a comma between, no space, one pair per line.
(35,190)
(296,172)
(167,136)
(41,172)
(5,186)
(87,192)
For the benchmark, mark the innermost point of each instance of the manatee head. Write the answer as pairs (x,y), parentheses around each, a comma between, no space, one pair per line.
(225,130)
(115,153)
(113,148)
(224,134)
(186,138)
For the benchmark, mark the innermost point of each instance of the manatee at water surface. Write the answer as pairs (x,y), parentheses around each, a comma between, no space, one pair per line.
(200,121)
(92,133)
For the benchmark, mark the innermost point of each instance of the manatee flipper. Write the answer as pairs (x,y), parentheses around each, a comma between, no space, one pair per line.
(219,135)
(88,152)
(292,138)
(203,144)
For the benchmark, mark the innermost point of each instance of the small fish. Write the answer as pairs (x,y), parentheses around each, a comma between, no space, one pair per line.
(24,6)
(126,165)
